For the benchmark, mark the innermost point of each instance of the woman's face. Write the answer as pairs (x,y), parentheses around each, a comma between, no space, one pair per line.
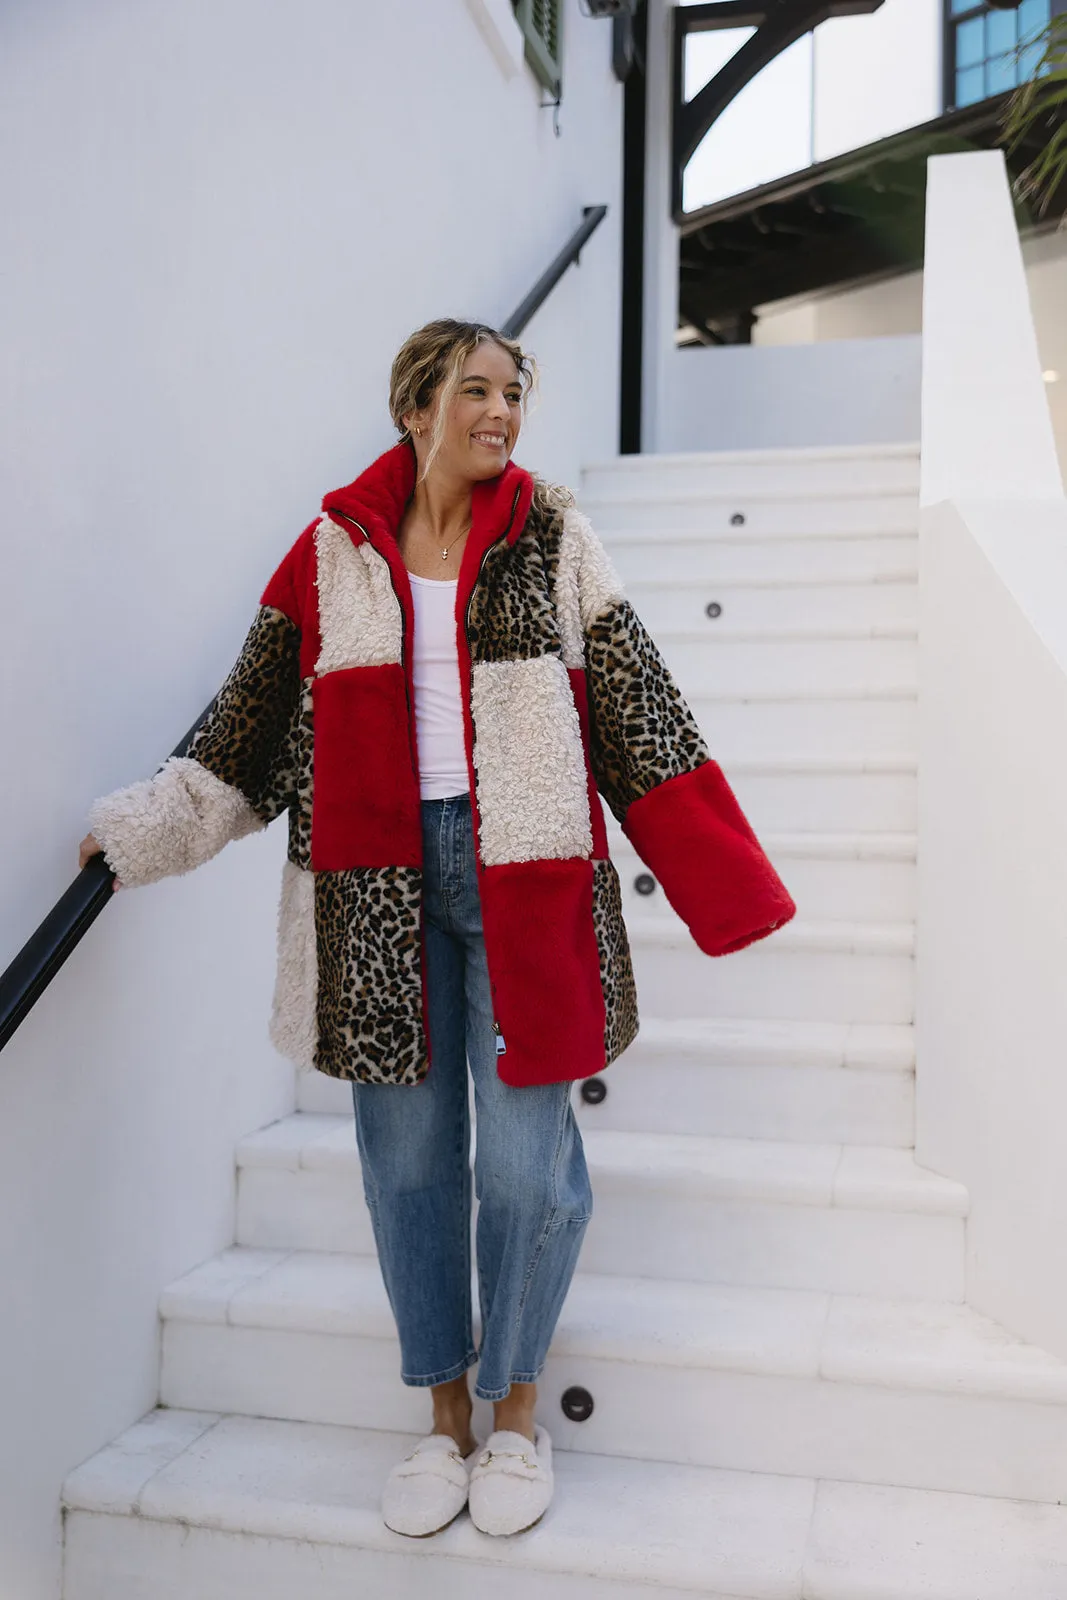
(483,418)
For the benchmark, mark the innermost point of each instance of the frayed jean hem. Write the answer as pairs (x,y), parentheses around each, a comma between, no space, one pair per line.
(502,1394)
(430,1380)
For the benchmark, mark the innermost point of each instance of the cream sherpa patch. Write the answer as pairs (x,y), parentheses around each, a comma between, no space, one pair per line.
(171,823)
(293,1028)
(586,583)
(359,614)
(528,756)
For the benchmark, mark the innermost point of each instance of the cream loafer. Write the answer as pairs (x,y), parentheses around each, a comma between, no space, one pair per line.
(427,1490)
(511,1482)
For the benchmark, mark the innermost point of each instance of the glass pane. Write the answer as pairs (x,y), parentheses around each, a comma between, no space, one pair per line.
(970,43)
(1000,75)
(1000,33)
(962,5)
(1033,14)
(970,86)
(707,53)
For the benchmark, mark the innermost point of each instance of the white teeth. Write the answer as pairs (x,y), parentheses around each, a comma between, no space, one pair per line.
(490,438)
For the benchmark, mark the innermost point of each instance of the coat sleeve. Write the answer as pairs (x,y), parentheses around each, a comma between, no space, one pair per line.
(652,766)
(239,773)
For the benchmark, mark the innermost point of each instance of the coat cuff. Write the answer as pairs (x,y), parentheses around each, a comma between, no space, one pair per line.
(170,823)
(694,837)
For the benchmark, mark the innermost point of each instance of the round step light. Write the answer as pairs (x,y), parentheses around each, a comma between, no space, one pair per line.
(645,883)
(594,1091)
(737,520)
(713,609)
(577,1404)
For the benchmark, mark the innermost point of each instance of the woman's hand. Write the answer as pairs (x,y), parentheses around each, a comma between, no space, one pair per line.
(89,847)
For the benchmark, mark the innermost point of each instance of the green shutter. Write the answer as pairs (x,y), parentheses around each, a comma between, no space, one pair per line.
(541,22)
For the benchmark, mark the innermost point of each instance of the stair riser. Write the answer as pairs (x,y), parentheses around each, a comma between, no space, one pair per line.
(860,474)
(696,560)
(793,726)
(800,1425)
(825,1105)
(833,516)
(321,1094)
(825,891)
(756,1244)
(765,981)
(826,802)
(669,1234)
(820,1105)
(855,606)
(744,1100)
(789,666)
(134,1558)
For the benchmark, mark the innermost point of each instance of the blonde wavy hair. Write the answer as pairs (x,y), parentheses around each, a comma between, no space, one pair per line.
(430,362)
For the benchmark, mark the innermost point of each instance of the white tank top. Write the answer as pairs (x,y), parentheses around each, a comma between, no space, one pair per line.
(438,708)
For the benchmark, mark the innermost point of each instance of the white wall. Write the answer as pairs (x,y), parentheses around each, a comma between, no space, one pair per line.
(220,220)
(991,1009)
(741,397)
(893,308)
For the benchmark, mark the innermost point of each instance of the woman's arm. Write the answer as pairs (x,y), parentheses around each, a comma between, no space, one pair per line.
(652,766)
(240,771)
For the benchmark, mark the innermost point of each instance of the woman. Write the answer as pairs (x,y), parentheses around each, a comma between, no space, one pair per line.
(441,674)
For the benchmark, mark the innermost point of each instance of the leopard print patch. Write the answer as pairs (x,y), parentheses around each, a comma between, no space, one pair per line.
(616,968)
(641,730)
(245,741)
(511,615)
(369,1006)
(301,751)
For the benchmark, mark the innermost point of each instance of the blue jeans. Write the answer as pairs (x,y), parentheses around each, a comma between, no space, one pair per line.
(530,1176)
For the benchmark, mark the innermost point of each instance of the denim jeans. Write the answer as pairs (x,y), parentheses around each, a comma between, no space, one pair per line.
(530,1176)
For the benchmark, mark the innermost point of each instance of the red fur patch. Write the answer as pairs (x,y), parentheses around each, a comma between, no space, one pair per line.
(693,835)
(544,967)
(292,590)
(365,807)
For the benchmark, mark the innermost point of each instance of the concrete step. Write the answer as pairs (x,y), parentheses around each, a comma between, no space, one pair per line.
(782,661)
(846,1219)
(832,877)
(825,794)
(846,724)
(766,515)
(813,1083)
(240,1508)
(864,469)
(808,1083)
(920,1394)
(869,607)
(666,553)
(806,972)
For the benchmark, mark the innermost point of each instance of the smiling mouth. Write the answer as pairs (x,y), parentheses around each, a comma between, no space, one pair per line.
(491,441)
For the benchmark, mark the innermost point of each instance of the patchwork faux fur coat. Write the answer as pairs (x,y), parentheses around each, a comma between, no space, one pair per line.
(564,695)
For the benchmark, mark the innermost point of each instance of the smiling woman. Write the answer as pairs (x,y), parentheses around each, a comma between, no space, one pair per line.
(442,673)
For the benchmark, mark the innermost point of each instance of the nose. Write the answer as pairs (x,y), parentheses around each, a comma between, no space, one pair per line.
(497,405)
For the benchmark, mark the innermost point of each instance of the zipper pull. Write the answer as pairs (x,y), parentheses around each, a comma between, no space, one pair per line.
(501,1047)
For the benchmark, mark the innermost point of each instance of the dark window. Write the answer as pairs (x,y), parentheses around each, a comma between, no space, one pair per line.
(541,22)
(981,45)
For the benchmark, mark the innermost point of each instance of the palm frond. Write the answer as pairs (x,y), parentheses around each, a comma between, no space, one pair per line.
(1037,109)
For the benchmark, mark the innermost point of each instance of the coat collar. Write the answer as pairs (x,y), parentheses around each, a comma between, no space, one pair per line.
(376,501)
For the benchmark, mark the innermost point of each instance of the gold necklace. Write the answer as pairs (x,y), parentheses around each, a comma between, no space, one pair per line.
(459,536)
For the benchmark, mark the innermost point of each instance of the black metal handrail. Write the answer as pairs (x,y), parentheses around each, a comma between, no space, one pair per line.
(74,913)
(593,217)
(69,920)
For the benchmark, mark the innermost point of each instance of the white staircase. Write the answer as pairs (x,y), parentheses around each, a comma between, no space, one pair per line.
(792,1401)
